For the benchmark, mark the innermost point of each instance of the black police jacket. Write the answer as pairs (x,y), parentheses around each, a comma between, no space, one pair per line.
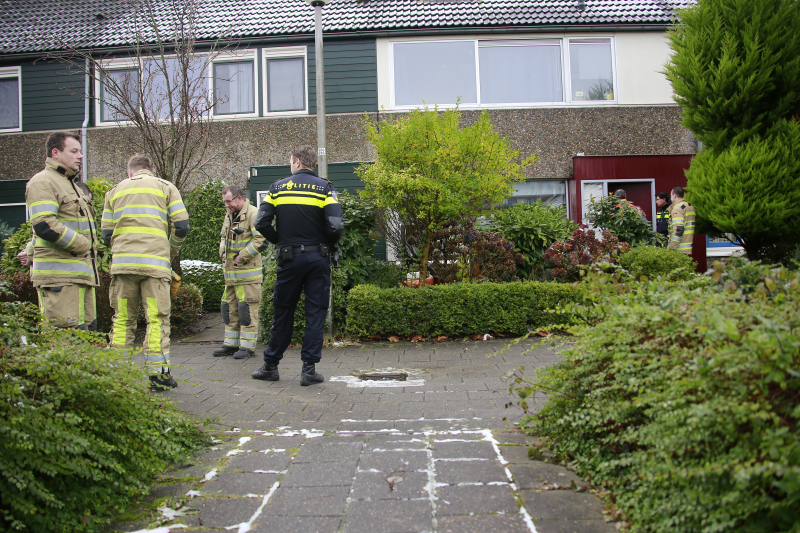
(305,209)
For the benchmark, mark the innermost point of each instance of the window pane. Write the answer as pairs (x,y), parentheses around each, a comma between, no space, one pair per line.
(233,88)
(537,74)
(9,102)
(590,70)
(553,193)
(170,83)
(435,73)
(286,85)
(126,81)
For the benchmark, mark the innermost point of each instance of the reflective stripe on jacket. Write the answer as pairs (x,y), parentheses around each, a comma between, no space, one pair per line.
(140,214)
(64,251)
(248,245)
(681,227)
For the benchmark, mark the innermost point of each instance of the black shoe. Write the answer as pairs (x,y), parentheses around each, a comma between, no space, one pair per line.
(268,372)
(309,376)
(224,351)
(162,382)
(243,353)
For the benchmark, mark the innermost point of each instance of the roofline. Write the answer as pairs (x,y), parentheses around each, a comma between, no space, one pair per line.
(405,32)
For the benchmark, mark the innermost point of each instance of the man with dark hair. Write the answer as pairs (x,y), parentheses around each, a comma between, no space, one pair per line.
(64,269)
(681,228)
(308,223)
(662,214)
(240,249)
(144,223)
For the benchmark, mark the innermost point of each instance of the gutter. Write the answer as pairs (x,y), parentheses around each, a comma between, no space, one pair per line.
(84,140)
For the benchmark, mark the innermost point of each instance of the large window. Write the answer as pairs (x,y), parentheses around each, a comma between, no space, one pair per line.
(234,88)
(115,83)
(285,80)
(549,192)
(10,103)
(496,73)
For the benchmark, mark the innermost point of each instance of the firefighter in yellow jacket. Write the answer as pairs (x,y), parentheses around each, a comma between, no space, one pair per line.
(64,269)
(239,248)
(144,222)
(681,226)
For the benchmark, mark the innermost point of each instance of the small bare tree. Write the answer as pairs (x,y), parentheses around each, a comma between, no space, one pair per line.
(160,91)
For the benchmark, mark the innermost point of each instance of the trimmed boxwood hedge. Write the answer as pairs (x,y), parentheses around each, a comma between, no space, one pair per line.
(457,309)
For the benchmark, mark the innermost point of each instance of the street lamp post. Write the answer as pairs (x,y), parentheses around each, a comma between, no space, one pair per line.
(322,156)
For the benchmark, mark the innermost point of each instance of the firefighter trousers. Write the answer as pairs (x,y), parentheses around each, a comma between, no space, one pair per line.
(127,293)
(69,306)
(240,315)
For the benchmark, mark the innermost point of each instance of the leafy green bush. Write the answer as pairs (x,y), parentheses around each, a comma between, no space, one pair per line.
(9,264)
(567,261)
(532,228)
(19,288)
(267,308)
(624,221)
(6,231)
(209,278)
(357,245)
(652,261)
(456,309)
(187,306)
(79,432)
(683,403)
(206,216)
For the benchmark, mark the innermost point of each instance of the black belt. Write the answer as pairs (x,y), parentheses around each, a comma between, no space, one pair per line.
(305,248)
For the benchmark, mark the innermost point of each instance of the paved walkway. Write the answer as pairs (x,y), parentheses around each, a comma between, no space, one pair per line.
(431,454)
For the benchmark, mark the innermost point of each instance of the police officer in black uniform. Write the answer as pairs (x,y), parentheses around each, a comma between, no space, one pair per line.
(308,224)
(662,214)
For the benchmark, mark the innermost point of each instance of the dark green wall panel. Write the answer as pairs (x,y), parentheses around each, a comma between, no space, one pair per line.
(12,192)
(51,97)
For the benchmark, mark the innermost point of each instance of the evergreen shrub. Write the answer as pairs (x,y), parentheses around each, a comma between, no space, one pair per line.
(623,221)
(187,306)
(9,264)
(457,309)
(682,403)
(206,216)
(532,228)
(652,261)
(209,278)
(267,308)
(80,434)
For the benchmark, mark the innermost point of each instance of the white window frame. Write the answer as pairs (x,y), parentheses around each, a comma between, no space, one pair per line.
(112,64)
(650,181)
(260,195)
(566,76)
(14,72)
(230,57)
(287,52)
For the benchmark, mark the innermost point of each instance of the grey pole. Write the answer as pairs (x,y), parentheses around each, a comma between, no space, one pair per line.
(322,162)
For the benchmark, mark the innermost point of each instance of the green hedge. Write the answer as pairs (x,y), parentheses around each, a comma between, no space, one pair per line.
(652,261)
(457,309)
(267,308)
(209,278)
(206,216)
(683,403)
(80,434)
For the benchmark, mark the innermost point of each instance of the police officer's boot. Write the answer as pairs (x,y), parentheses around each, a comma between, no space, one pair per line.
(268,372)
(224,351)
(309,376)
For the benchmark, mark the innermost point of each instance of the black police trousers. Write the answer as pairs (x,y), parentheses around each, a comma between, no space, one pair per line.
(308,272)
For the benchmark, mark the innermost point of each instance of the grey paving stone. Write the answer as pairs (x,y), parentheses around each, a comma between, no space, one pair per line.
(538,474)
(388,461)
(463,450)
(296,524)
(562,505)
(389,516)
(316,475)
(346,453)
(225,512)
(389,485)
(254,460)
(455,472)
(483,523)
(476,499)
(575,526)
(239,484)
(308,501)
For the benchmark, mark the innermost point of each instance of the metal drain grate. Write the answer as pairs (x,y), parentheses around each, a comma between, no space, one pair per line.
(383,376)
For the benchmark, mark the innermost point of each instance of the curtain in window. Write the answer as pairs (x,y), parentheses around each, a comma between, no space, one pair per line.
(194,77)
(286,84)
(233,88)
(9,103)
(590,69)
(520,74)
(126,80)
(549,192)
(436,72)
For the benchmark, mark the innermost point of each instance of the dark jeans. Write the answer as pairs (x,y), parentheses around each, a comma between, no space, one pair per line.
(311,273)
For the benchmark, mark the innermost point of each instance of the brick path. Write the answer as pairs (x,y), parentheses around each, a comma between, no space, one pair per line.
(432,454)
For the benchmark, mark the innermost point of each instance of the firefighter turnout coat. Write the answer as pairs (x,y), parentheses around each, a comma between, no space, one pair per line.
(144,222)
(64,250)
(681,226)
(242,296)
